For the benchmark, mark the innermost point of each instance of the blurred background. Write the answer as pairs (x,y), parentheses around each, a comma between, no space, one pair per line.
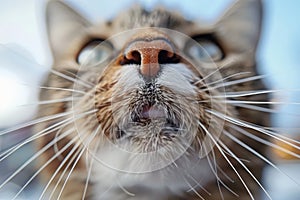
(25,60)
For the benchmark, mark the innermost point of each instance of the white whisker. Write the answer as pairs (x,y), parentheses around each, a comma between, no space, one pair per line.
(251,93)
(36,121)
(246,168)
(71,79)
(193,189)
(85,146)
(257,128)
(243,80)
(258,108)
(89,169)
(68,99)
(226,175)
(238,141)
(40,152)
(228,63)
(124,189)
(263,141)
(55,146)
(74,155)
(213,168)
(266,110)
(197,184)
(240,159)
(215,171)
(42,133)
(55,88)
(260,102)
(76,75)
(226,78)
(47,163)
(225,157)
(219,180)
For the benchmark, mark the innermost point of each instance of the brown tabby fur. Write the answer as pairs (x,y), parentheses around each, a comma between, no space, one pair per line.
(237,32)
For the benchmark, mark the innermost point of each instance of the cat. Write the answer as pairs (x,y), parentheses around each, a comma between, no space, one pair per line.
(150,105)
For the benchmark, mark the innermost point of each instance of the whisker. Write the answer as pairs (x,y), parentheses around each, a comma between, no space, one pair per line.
(241,159)
(225,157)
(124,189)
(226,175)
(68,99)
(55,88)
(74,155)
(42,133)
(30,160)
(59,168)
(263,109)
(89,169)
(247,169)
(251,93)
(257,128)
(90,138)
(45,164)
(260,102)
(228,63)
(241,143)
(193,189)
(274,128)
(55,146)
(79,152)
(76,75)
(219,180)
(212,167)
(243,80)
(226,78)
(36,121)
(197,184)
(106,191)
(39,153)
(258,108)
(70,78)
(266,142)
(214,170)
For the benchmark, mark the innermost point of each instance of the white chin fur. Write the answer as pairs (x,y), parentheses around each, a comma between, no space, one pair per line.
(108,180)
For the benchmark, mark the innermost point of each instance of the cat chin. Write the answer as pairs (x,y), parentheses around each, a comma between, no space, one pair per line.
(114,182)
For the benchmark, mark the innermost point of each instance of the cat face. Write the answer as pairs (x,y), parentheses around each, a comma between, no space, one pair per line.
(148,86)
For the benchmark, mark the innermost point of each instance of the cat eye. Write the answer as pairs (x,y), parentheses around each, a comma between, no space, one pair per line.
(204,50)
(94,52)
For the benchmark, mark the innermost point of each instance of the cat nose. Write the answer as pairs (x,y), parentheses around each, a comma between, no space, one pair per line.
(150,55)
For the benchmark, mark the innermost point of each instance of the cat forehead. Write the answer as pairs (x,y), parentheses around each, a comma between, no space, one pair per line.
(137,17)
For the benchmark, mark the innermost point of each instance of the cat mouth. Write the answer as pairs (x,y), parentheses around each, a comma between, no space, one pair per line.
(149,120)
(148,113)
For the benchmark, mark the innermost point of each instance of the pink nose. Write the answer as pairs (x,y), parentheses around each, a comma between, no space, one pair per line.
(150,54)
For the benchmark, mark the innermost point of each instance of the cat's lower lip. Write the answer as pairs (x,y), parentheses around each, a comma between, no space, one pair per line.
(152,116)
(152,112)
(168,129)
(148,113)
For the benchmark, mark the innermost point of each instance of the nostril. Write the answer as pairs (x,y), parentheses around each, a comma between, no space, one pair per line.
(167,57)
(132,57)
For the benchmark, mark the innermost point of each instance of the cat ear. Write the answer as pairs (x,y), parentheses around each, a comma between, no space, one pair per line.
(240,26)
(63,24)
